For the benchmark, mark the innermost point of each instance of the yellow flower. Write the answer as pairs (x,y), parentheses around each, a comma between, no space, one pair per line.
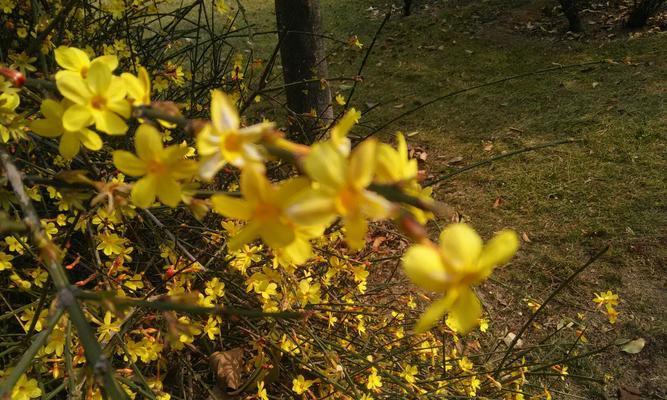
(56,342)
(261,391)
(215,288)
(340,99)
(99,99)
(26,389)
(374,382)
(264,207)
(300,384)
(22,62)
(394,165)
(211,329)
(5,261)
(52,126)
(224,141)
(341,190)
(138,87)
(459,262)
(608,297)
(161,169)
(76,61)
(409,373)
(108,328)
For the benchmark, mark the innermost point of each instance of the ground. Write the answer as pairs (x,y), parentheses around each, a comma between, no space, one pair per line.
(568,201)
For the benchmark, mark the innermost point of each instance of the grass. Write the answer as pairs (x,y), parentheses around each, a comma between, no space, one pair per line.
(570,201)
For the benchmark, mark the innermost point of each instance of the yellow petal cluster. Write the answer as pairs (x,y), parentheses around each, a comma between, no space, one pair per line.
(459,262)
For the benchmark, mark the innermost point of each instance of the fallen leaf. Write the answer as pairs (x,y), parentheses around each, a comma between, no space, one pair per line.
(525,237)
(509,338)
(227,367)
(455,160)
(497,203)
(629,393)
(488,147)
(634,346)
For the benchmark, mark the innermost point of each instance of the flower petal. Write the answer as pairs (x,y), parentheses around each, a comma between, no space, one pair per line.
(498,250)
(356,228)
(71,58)
(90,139)
(148,142)
(46,128)
(433,314)
(276,234)
(69,145)
(209,166)
(326,165)
(143,192)
(128,163)
(52,109)
(312,208)
(254,184)
(74,88)
(362,164)
(465,311)
(77,117)
(246,235)
(223,113)
(99,78)
(111,61)
(423,265)
(231,207)
(461,246)
(168,191)
(110,123)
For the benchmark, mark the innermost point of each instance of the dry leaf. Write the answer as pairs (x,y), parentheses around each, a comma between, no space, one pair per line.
(634,346)
(509,338)
(629,393)
(455,160)
(498,202)
(525,237)
(227,367)
(488,147)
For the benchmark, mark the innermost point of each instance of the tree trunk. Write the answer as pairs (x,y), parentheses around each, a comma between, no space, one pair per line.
(302,53)
(572,15)
(407,4)
(642,11)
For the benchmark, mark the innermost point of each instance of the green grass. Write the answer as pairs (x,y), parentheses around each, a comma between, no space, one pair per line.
(570,200)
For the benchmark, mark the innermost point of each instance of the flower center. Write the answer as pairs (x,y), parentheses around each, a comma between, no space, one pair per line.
(266,211)
(233,143)
(348,198)
(156,168)
(98,102)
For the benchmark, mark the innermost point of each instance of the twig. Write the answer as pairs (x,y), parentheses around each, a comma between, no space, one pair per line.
(49,253)
(162,305)
(541,307)
(499,157)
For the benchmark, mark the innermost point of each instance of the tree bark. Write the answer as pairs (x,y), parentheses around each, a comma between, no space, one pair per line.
(572,15)
(642,11)
(304,67)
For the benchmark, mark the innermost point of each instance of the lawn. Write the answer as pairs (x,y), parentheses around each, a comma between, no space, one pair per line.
(567,201)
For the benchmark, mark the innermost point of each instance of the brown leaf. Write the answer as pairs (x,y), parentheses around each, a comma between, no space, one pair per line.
(525,237)
(498,202)
(227,367)
(628,393)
